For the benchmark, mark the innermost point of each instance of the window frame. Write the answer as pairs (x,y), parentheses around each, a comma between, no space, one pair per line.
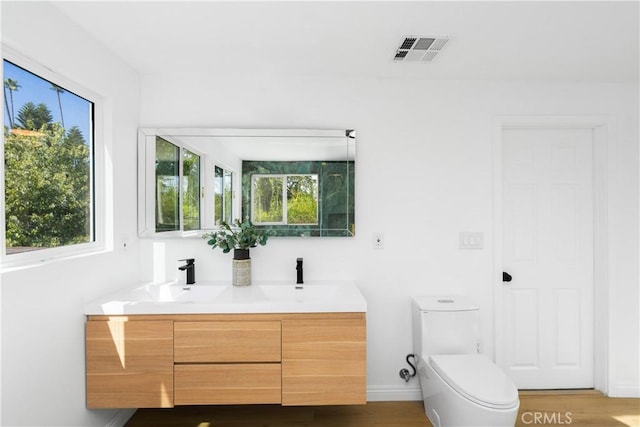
(201,166)
(100,221)
(285,201)
(283,197)
(147,187)
(227,202)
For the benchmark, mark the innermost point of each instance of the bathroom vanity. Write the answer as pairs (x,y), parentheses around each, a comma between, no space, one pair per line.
(212,343)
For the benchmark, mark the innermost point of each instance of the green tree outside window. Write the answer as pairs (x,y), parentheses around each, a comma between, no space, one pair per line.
(48,170)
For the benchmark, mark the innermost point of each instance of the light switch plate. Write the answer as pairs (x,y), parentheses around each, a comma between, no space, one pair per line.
(378,241)
(470,240)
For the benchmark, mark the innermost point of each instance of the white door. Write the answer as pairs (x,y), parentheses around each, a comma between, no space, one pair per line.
(546,311)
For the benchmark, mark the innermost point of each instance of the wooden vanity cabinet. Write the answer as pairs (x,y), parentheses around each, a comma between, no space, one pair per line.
(142,361)
(129,363)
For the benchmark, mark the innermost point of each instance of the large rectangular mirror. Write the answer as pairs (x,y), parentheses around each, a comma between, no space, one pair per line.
(294,182)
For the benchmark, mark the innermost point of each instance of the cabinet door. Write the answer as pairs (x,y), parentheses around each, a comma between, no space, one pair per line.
(129,363)
(324,361)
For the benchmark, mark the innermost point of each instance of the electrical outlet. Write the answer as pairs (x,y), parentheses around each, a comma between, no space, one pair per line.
(378,240)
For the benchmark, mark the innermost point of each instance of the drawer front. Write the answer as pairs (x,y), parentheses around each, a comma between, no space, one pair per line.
(232,341)
(226,384)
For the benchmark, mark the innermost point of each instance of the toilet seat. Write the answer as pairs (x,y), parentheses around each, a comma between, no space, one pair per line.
(476,378)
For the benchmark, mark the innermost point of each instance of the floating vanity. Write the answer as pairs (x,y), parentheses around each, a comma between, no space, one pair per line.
(158,346)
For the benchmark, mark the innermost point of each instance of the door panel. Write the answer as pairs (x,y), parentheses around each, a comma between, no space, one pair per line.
(522,308)
(547,309)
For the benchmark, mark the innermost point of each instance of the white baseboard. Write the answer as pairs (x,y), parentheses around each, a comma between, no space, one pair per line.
(392,394)
(120,418)
(626,390)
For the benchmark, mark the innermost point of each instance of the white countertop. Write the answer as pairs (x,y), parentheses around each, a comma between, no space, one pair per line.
(221,297)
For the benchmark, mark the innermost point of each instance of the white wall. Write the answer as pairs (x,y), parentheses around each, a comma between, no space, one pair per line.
(43,378)
(423,174)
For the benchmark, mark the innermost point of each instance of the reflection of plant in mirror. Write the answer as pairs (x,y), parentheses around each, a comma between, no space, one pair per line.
(243,235)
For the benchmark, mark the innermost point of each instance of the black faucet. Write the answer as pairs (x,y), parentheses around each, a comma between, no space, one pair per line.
(299,269)
(190,266)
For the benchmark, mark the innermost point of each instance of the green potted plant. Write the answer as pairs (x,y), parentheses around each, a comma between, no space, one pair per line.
(240,237)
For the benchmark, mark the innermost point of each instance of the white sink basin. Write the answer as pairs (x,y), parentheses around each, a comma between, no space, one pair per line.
(172,293)
(308,293)
(222,297)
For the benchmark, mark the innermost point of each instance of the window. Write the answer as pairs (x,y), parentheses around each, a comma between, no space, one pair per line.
(228,195)
(223,196)
(175,165)
(191,190)
(167,189)
(49,182)
(284,199)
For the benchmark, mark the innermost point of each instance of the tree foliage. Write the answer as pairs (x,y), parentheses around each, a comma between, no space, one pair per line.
(34,117)
(47,183)
(301,199)
(13,86)
(167,190)
(267,201)
(191,190)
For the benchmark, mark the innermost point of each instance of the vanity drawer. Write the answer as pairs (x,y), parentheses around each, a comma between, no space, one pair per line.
(227,341)
(226,384)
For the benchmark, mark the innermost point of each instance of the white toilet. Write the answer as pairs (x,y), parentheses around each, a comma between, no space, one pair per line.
(460,387)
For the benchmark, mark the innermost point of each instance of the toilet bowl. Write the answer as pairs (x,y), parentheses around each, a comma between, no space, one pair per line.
(460,387)
(466,390)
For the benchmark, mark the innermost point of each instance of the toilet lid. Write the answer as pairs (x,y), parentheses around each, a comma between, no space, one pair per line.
(476,378)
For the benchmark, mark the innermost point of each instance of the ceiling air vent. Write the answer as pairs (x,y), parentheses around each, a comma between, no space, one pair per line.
(422,49)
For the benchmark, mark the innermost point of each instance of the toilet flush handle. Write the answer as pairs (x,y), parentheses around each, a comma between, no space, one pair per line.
(506,277)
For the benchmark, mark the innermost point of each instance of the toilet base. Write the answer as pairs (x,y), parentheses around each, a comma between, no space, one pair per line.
(446,408)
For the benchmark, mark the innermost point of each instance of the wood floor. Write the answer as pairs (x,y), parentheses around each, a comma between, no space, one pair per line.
(565,408)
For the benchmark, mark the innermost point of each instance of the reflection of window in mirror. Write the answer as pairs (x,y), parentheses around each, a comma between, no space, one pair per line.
(302,199)
(191,190)
(169,173)
(223,195)
(228,196)
(267,199)
(284,199)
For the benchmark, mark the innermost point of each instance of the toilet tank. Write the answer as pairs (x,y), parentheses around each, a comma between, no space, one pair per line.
(444,325)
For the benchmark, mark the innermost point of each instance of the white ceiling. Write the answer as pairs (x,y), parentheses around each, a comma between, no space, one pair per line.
(577,41)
